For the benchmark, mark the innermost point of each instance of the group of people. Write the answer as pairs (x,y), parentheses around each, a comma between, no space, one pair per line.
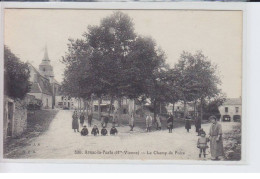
(214,138)
(95,131)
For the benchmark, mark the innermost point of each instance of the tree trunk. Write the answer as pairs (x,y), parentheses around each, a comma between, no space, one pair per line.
(154,110)
(119,110)
(185,109)
(99,109)
(91,105)
(160,108)
(173,113)
(110,106)
(201,111)
(195,103)
(87,107)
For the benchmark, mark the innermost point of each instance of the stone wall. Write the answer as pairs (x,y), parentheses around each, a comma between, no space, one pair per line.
(20,118)
(15,118)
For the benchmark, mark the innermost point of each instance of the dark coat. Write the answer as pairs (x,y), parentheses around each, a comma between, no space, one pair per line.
(113,131)
(103,131)
(82,118)
(89,118)
(170,120)
(75,122)
(84,132)
(95,131)
(187,124)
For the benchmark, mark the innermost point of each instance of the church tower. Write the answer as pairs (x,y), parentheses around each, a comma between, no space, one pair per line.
(45,67)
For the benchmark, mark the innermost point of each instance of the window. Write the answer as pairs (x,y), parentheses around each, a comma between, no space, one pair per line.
(226,109)
(237,109)
(64,103)
(62,98)
(43,69)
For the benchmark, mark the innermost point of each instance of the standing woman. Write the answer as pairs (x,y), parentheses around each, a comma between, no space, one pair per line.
(131,122)
(215,136)
(158,122)
(75,122)
(149,122)
(187,124)
(82,119)
(170,123)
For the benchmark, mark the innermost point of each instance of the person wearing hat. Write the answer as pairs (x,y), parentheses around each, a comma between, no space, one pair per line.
(202,144)
(84,131)
(215,137)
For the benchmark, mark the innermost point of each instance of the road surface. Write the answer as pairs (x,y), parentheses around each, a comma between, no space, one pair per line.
(61,142)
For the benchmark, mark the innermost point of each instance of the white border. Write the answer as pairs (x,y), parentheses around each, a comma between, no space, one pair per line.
(141,5)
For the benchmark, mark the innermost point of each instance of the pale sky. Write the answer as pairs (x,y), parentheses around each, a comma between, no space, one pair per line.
(217,33)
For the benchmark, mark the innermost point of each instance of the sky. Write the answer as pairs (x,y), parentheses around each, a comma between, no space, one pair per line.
(218,34)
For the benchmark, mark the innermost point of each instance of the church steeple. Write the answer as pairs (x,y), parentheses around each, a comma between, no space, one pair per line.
(45,66)
(46,56)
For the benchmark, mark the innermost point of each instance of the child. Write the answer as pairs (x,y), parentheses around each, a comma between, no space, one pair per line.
(113,130)
(202,144)
(103,131)
(170,127)
(84,131)
(95,130)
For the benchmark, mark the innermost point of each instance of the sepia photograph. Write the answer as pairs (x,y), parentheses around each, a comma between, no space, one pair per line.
(123,84)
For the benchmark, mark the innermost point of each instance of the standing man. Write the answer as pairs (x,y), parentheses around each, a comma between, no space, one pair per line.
(90,119)
(215,136)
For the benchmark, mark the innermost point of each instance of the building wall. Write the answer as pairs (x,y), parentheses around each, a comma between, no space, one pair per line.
(231,111)
(20,118)
(15,118)
(46,101)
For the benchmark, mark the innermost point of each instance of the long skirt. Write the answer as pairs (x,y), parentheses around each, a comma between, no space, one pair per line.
(75,124)
(216,147)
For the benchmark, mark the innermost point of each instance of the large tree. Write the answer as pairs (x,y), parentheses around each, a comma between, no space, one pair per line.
(198,78)
(16,74)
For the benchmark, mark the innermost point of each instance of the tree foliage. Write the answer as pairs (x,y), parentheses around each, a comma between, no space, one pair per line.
(16,74)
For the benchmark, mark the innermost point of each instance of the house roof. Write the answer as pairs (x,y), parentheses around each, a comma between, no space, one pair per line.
(233,101)
(42,85)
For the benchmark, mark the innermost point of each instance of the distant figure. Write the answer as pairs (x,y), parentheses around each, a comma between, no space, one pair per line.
(90,119)
(131,122)
(106,120)
(187,124)
(113,130)
(75,122)
(95,130)
(149,122)
(82,119)
(103,131)
(202,144)
(158,123)
(216,141)
(84,131)
(170,123)
(198,126)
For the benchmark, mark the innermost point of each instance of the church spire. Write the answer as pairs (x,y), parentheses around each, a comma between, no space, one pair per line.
(46,56)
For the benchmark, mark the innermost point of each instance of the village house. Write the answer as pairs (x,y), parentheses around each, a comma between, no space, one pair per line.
(231,109)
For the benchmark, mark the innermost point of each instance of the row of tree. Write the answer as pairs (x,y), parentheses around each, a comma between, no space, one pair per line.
(113,61)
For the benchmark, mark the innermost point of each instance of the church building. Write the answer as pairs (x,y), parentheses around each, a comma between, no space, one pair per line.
(44,86)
